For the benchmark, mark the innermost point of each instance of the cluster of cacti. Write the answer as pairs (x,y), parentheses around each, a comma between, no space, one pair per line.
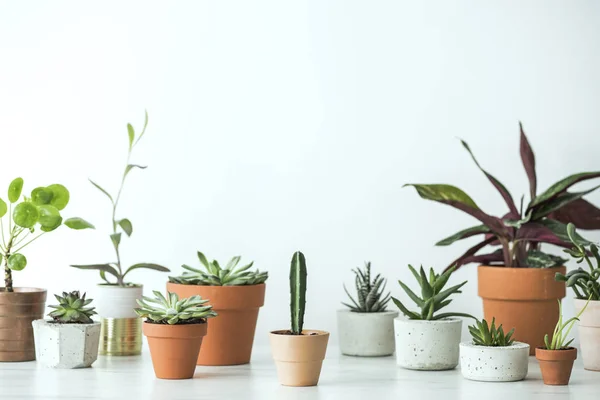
(71,309)
(297,292)
(485,335)
(171,310)
(369,293)
(215,275)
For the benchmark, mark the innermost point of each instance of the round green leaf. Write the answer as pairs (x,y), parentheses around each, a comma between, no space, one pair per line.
(17,262)
(3,208)
(60,196)
(41,196)
(78,223)
(50,218)
(26,215)
(14,189)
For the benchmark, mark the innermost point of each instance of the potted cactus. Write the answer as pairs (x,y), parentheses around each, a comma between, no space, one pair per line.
(70,339)
(121,328)
(493,356)
(28,218)
(298,352)
(366,328)
(236,293)
(426,340)
(174,328)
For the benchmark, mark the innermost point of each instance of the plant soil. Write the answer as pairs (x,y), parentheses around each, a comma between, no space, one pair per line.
(293,334)
(190,321)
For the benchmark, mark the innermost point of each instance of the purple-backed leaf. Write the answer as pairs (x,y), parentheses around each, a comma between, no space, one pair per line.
(483,259)
(528,159)
(560,230)
(563,185)
(583,214)
(459,261)
(465,233)
(559,201)
(546,231)
(497,184)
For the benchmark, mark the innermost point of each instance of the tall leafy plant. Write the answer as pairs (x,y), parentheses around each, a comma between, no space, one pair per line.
(121,225)
(520,231)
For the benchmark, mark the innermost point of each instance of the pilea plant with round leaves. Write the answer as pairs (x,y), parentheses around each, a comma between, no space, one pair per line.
(29,218)
(121,225)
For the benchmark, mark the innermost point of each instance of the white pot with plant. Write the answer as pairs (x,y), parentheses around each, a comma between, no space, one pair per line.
(493,356)
(121,328)
(70,339)
(426,340)
(366,328)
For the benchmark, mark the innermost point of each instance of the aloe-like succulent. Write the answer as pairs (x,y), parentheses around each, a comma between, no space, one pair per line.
(433,297)
(72,309)
(485,335)
(369,292)
(297,292)
(172,311)
(215,275)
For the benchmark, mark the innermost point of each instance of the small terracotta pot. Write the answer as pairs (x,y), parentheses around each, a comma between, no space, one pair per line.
(231,334)
(17,311)
(299,358)
(556,365)
(522,298)
(174,348)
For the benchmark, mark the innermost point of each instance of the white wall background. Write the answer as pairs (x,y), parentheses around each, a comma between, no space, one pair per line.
(277,126)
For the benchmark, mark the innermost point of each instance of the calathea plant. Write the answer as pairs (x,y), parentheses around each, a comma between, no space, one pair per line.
(369,292)
(485,335)
(520,231)
(121,225)
(172,311)
(72,309)
(28,219)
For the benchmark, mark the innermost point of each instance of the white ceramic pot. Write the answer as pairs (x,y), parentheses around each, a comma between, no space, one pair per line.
(117,302)
(427,345)
(366,334)
(589,333)
(494,364)
(66,345)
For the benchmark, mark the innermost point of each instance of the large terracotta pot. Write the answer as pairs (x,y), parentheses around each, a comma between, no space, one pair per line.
(17,311)
(556,365)
(522,298)
(231,334)
(589,333)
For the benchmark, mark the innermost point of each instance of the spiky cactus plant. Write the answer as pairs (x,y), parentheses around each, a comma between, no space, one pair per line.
(71,309)
(369,292)
(298,292)
(171,310)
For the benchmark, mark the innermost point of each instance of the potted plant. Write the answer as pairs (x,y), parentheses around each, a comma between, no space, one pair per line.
(366,328)
(493,356)
(28,218)
(556,358)
(121,328)
(298,352)
(236,294)
(70,339)
(426,340)
(174,329)
(515,278)
(586,287)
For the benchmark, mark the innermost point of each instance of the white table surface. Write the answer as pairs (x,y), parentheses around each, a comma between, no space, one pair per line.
(342,378)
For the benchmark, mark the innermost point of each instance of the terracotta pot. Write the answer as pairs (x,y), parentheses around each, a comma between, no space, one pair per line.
(17,311)
(522,298)
(174,348)
(231,334)
(589,333)
(299,358)
(556,365)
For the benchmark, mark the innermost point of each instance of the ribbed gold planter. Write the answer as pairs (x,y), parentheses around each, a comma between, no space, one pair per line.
(120,336)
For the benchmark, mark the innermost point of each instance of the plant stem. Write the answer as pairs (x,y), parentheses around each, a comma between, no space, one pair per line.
(114,219)
(41,234)
(8,283)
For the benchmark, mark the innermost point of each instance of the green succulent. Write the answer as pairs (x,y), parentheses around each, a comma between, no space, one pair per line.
(484,335)
(172,311)
(559,337)
(215,275)
(71,309)
(369,292)
(433,297)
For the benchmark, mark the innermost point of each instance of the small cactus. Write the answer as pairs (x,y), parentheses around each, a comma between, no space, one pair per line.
(298,292)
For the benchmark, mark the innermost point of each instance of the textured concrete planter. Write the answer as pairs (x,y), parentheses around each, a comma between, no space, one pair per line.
(589,333)
(366,334)
(66,345)
(494,364)
(427,345)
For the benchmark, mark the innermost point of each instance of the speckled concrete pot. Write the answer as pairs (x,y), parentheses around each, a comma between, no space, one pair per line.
(366,334)
(589,333)
(427,345)
(66,345)
(494,364)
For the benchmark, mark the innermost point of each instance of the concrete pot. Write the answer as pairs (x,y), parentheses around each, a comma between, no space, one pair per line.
(66,346)
(366,334)
(589,333)
(494,364)
(427,345)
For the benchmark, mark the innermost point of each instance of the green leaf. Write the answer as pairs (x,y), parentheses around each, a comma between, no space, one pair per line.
(558,202)
(99,267)
(539,259)
(426,289)
(78,223)
(132,166)
(17,262)
(41,196)
(145,126)
(131,134)
(3,208)
(116,239)
(154,267)
(100,188)
(443,193)
(563,185)
(560,230)
(26,215)
(126,225)
(404,310)
(14,189)
(50,218)
(465,233)
(411,294)
(60,195)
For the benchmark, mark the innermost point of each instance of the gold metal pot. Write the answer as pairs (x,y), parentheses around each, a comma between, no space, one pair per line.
(120,336)
(17,310)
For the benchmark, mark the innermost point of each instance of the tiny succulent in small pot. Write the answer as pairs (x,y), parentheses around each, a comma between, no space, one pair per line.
(72,309)
(369,292)
(490,335)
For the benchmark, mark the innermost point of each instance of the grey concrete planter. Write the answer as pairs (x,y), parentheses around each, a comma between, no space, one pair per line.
(66,345)
(494,364)
(366,334)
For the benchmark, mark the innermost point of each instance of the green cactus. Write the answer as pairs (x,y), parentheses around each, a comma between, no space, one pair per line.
(298,292)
